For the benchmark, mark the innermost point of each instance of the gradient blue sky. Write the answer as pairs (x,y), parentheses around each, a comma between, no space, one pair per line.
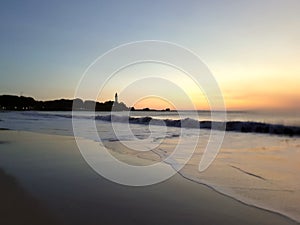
(252,47)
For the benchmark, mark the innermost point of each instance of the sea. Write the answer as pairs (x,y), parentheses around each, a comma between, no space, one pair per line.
(258,162)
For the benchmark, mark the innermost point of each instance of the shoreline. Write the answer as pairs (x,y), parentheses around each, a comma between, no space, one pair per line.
(185,182)
(241,201)
(224,193)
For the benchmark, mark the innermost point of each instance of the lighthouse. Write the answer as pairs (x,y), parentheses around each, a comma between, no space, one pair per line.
(116,98)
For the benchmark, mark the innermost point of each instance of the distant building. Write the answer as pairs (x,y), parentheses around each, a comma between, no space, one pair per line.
(116,98)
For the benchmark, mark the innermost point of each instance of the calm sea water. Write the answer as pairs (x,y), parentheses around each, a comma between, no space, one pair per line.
(258,169)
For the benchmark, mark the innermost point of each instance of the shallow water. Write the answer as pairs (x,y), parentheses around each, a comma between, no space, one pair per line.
(258,169)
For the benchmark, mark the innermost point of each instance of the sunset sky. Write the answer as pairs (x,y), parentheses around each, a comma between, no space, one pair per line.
(251,47)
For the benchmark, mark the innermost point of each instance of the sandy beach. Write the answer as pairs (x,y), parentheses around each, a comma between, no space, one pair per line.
(48,180)
(18,206)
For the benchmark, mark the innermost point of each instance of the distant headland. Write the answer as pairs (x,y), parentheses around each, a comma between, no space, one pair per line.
(22,103)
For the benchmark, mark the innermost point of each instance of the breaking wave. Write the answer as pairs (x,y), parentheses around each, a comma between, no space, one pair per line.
(237,126)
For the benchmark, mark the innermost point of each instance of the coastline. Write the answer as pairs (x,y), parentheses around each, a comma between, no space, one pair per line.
(116,146)
(174,201)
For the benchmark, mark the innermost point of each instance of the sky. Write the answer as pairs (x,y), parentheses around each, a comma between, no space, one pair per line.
(252,48)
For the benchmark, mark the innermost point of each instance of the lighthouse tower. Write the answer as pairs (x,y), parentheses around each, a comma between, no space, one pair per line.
(116,98)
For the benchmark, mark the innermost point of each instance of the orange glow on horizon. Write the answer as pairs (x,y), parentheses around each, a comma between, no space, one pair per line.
(153,103)
(250,101)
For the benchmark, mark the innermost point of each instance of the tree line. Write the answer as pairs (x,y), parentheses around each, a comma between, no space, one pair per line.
(13,102)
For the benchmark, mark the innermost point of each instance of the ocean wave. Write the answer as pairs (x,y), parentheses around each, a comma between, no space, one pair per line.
(235,126)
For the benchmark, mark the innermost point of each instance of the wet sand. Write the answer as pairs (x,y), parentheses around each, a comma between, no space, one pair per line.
(18,206)
(50,171)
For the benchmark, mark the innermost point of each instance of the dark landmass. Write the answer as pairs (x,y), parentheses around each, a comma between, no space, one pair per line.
(20,103)
(152,110)
(1,128)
